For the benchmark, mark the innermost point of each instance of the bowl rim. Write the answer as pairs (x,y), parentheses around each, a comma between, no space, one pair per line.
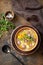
(15,47)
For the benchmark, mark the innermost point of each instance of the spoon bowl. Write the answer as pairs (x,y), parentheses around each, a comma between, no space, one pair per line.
(6,49)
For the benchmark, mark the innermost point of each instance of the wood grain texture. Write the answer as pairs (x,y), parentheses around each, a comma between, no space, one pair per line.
(19,7)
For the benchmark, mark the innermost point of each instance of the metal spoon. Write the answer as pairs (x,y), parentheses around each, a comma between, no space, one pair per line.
(7,49)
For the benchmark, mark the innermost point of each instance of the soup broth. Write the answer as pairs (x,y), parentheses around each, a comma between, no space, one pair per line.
(26,39)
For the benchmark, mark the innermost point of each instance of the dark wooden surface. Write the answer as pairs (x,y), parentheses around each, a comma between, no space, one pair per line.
(37,57)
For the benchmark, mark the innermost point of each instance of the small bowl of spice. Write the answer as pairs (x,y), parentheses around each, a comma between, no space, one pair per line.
(9,15)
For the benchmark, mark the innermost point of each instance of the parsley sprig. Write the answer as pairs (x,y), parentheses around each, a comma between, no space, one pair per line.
(5,25)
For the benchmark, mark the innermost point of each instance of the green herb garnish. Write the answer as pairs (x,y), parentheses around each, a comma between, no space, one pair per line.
(5,25)
(28,37)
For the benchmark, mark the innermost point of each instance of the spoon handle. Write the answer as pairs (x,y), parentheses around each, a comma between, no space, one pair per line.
(17,58)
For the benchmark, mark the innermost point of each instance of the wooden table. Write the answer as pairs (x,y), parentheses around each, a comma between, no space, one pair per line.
(8,59)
